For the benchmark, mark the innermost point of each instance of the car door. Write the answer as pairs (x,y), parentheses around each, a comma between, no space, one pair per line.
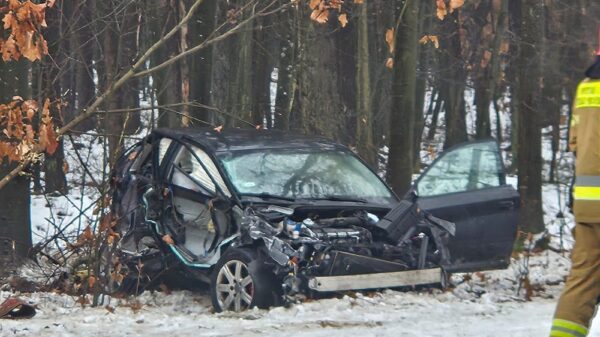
(192,182)
(467,185)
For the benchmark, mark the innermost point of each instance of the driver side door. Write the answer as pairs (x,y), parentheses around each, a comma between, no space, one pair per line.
(192,183)
(467,185)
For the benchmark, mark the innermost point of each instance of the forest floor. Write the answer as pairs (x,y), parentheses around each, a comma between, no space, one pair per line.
(479,304)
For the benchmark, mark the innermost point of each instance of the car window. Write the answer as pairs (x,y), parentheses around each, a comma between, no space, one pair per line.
(303,173)
(470,167)
(192,168)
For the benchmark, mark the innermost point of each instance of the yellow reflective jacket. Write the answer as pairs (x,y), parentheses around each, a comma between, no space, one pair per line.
(584,140)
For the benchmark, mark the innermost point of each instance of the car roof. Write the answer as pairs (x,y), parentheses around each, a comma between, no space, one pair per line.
(234,139)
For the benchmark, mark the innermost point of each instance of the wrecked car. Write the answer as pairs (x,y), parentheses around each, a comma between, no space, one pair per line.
(267,217)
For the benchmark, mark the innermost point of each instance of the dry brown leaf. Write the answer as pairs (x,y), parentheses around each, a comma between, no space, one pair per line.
(454,4)
(91,282)
(343,19)
(360,2)
(314,3)
(83,300)
(168,240)
(431,151)
(116,276)
(389,63)
(389,38)
(441,9)
(65,167)
(336,4)
(430,38)
(320,16)
(135,306)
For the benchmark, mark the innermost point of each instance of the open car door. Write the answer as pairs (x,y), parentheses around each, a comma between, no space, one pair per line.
(467,185)
(192,183)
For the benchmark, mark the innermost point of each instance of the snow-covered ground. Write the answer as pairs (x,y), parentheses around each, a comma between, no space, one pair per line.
(480,304)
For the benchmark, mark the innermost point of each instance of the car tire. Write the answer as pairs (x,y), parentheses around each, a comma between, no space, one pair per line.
(241,281)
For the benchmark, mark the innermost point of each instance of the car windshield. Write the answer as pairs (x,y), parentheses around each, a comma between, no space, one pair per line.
(304,174)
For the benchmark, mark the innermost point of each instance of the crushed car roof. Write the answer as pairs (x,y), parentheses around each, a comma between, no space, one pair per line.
(233,139)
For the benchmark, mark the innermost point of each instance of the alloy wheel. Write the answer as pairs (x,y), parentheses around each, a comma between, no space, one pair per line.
(234,286)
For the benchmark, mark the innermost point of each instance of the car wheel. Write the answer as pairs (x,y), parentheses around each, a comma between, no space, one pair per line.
(241,281)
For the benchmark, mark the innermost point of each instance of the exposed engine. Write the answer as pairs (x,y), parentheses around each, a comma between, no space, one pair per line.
(359,243)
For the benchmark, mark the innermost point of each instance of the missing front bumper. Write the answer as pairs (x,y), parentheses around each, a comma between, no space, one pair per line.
(377,280)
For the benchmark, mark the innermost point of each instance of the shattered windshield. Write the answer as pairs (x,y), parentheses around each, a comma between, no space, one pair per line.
(304,174)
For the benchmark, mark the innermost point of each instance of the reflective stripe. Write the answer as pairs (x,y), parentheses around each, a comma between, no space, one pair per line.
(588,95)
(587,188)
(564,328)
(587,181)
(586,193)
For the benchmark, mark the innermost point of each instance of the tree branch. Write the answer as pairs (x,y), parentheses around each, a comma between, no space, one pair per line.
(114,87)
(133,73)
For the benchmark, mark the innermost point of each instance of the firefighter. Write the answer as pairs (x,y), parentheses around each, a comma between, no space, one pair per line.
(577,304)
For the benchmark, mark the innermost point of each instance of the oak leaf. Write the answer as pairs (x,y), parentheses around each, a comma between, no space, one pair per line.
(430,38)
(454,4)
(343,19)
(441,11)
(314,3)
(321,16)
(389,38)
(389,63)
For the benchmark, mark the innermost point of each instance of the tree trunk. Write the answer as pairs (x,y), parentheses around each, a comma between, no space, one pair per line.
(402,121)
(381,18)
(84,78)
(364,115)
(287,67)
(453,87)
(55,179)
(426,16)
(15,228)
(318,107)
(529,133)
(512,73)
(119,48)
(201,27)
(481,41)
(166,82)
(263,65)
